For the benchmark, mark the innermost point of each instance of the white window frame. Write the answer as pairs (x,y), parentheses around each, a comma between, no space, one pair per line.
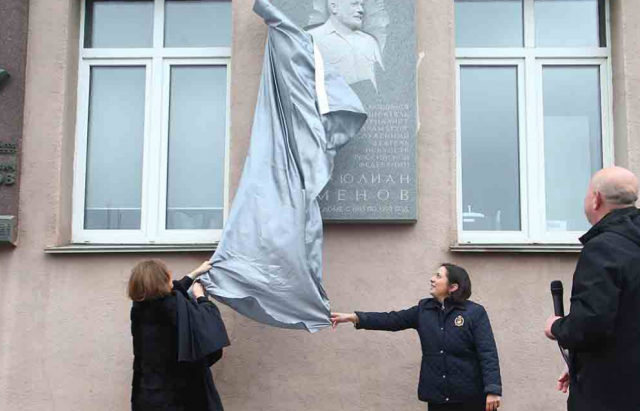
(158,62)
(530,61)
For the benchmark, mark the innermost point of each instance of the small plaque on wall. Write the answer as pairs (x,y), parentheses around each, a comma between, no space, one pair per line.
(8,230)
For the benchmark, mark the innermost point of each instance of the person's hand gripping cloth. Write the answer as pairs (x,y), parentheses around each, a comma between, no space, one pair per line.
(268,265)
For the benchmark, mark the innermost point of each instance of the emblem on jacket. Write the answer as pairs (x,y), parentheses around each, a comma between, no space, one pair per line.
(459,321)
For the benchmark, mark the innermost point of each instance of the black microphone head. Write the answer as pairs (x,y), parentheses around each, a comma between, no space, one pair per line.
(556,287)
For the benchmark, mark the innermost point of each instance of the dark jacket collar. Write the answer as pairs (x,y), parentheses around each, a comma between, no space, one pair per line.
(614,221)
(432,303)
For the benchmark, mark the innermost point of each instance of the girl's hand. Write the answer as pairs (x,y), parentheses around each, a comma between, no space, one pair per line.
(204,267)
(337,318)
(493,402)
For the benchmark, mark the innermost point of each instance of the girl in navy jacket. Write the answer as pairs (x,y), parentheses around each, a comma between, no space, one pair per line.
(460,370)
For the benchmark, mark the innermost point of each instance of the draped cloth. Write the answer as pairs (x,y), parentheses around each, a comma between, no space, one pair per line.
(268,265)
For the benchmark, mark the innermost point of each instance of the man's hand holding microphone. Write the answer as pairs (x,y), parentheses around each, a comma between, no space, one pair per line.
(557,291)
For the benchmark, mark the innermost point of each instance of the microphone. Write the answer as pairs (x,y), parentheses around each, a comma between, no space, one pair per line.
(558,308)
(556,293)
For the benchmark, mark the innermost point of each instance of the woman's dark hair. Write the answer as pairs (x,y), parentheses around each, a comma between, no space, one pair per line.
(149,280)
(458,275)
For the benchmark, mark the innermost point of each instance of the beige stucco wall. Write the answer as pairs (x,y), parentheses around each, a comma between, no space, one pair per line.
(625,34)
(64,327)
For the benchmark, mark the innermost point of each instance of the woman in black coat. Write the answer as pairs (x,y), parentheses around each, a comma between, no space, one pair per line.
(460,369)
(175,341)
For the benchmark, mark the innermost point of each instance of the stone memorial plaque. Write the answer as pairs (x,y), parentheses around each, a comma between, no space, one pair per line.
(8,189)
(13,34)
(372,43)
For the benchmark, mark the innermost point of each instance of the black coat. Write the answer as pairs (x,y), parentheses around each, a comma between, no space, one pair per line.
(175,341)
(602,331)
(459,355)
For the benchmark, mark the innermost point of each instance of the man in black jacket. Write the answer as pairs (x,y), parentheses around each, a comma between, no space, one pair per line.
(602,331)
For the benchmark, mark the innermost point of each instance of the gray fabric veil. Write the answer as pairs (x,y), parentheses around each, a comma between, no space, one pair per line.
(268,265)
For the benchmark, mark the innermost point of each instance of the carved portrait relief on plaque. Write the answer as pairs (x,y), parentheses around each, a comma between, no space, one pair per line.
(351,34)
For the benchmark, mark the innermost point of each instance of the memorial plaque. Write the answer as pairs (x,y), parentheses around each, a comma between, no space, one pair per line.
(8,190)
(372,43)
(13,37)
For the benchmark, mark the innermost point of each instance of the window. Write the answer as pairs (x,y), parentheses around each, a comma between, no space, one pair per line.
(153,116)
(534,117)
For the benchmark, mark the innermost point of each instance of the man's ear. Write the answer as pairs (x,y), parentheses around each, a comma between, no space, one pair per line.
(598,200)
(333,7)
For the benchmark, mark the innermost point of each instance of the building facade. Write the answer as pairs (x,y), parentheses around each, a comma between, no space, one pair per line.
(105,180)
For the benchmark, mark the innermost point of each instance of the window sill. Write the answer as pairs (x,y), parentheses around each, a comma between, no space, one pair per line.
(516,248)
(130,248)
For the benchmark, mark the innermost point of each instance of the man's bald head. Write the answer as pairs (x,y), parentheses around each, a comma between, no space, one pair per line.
(347,13)
(618,186)
(610,188)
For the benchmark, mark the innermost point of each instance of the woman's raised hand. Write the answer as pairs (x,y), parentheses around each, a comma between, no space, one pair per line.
(198,290)
(337,318)
(204,267)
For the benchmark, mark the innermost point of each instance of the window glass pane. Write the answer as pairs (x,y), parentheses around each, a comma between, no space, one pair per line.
(119,24)
(490,162)
(570,23)
(198,23)
(114,152)
(572,142)
(197,134)
(489,23)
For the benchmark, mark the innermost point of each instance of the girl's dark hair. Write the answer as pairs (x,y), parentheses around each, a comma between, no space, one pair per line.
(458,275)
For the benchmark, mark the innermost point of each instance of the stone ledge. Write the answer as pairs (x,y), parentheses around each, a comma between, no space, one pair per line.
(516,248)
(130,248)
